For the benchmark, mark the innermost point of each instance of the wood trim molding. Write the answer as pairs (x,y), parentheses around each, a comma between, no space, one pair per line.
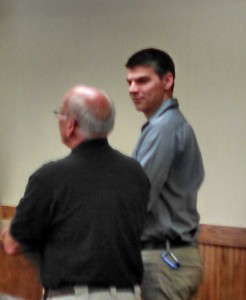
(209,235)
(223,236)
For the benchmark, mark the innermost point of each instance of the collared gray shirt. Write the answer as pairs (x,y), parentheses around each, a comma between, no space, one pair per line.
(168,151)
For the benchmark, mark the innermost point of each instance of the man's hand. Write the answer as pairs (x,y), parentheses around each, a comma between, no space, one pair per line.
(10,246)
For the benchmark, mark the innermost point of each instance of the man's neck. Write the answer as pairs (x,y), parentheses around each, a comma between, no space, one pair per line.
(148,115)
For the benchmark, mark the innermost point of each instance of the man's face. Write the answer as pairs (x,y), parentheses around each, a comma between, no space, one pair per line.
(147,89)
(63,122)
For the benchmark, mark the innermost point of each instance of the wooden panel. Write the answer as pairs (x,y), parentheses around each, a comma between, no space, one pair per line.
(6,212)
(224,273)
(18,277)
(224,256)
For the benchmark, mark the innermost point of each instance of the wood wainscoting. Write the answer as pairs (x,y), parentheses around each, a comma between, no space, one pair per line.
(18,276)
(224,256)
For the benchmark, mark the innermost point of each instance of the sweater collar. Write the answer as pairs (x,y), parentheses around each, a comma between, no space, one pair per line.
(90,143)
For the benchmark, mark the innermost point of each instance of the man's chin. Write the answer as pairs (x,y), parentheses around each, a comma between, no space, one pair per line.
(139,108)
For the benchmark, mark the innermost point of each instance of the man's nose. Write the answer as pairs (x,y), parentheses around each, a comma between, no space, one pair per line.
(133,87)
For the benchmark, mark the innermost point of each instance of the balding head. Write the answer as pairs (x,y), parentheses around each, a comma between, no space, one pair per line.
(92,109)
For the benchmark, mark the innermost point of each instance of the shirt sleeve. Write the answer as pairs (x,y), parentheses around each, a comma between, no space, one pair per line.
(32,217)
(156,152)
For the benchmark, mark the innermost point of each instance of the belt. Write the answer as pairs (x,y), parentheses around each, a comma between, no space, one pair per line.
(151,245)
(91,289)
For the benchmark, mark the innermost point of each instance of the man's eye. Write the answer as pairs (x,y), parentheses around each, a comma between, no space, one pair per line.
(143,80)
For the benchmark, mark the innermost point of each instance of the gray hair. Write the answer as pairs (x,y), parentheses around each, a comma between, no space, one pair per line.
(92,119)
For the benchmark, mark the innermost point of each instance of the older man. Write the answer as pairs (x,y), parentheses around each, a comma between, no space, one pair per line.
(82,216)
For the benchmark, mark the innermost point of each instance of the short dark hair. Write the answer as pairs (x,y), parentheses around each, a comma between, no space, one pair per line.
(158,59)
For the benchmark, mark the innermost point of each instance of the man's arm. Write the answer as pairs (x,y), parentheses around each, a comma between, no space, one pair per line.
(10,245)
(156,153)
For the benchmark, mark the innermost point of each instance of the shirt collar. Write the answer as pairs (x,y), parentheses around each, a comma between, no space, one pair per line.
(166,105)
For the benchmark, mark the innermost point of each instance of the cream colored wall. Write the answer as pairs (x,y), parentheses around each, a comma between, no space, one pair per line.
(48,46)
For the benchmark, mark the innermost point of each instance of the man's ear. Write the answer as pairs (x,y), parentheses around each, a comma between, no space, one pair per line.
(168,81)
(71,125)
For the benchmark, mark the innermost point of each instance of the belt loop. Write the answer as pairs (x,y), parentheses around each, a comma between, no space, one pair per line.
(81,291)
(137,291)
(168,247)
(45,294)
(113,292)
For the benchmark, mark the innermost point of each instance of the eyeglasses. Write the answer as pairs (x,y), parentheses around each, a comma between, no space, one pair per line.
(57,113)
